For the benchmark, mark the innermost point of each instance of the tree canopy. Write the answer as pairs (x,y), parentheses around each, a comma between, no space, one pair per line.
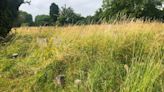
(115,9)
(42,20)
(8,13)
(54,12)
(68,16)
(23,19)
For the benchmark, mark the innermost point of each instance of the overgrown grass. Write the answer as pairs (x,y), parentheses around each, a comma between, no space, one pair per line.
(125,57)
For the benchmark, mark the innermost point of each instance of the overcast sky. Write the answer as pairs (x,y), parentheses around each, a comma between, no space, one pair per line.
(84,7)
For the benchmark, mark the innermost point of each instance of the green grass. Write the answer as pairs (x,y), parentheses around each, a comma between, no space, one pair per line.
(126,57)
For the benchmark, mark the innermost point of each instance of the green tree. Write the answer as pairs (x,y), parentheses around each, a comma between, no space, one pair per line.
(54,12)
(89,20)
(23,19)
(98,17)
(42,20)
(8,13)
(68,16)
(116,9)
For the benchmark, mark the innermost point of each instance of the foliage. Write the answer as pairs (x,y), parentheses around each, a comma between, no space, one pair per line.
(23,19)
(54,12)
(68,16)
(98,17)
(89,20)
(147,9)
(8,13)
(42,20)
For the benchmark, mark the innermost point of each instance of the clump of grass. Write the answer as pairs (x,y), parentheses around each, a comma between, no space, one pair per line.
(94,54)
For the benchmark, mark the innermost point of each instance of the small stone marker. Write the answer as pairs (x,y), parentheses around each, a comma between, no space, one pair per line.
(15,55)
(60,80)
(77,82)
(42,42)
(126,68)
(57,41)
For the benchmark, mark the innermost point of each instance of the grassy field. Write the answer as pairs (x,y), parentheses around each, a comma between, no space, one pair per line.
(125,57)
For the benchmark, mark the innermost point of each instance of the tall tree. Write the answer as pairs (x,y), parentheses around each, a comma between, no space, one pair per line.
(23,19)
(98,17)
(42,20)
(68,16)
(54,12)
(151,9)
(8,12)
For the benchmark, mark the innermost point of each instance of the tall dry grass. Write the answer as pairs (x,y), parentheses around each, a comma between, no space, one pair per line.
(125,57)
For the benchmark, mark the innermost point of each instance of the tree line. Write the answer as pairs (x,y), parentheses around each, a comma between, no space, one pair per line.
(111,10)
(57,16)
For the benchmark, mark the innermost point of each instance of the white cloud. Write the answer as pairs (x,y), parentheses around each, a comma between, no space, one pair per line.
(84,7)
